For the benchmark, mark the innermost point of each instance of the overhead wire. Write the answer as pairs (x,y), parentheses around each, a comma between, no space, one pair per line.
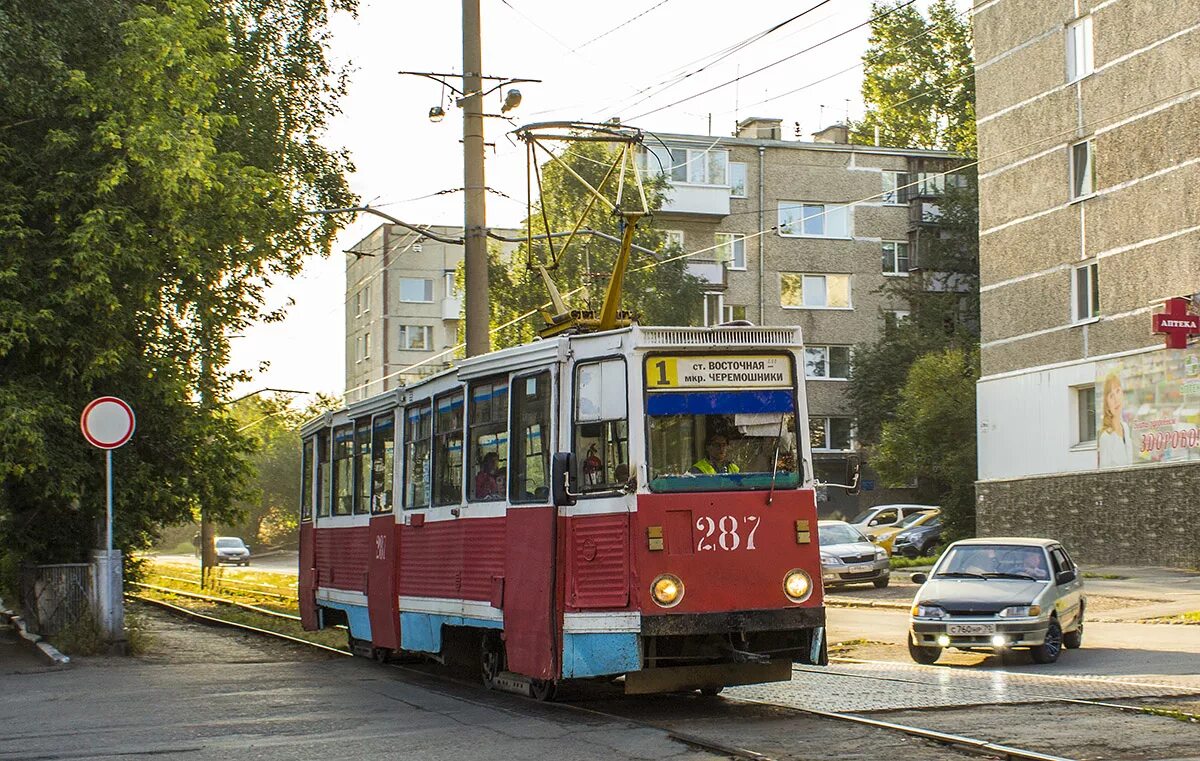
(625,23)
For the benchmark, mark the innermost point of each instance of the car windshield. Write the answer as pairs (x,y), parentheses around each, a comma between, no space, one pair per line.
(995,560)
(839,533)
(863,517)
(910,520)
(230,544)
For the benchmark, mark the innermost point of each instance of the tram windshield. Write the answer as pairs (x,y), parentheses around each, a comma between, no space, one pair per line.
(721,423)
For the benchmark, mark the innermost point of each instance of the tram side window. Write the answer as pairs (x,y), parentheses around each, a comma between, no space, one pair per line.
(448,449)
(362,466)
(532,444)
(323,474)
(306,480)
(488,440)
(418,430)
(601,426)
(343,469)
(383,462)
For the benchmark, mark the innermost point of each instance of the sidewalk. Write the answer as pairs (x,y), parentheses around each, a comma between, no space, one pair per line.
(1129,594)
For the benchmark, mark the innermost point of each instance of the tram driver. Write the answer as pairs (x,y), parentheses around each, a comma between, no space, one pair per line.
(716,459)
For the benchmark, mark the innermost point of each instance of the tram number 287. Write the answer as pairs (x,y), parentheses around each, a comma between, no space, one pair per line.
(726,532)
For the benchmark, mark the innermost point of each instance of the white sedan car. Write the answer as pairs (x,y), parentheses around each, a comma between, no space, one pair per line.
(998,594)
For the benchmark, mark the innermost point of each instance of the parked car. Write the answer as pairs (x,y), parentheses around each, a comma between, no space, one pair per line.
(876,519)
(999,594)
(849,557)
(887,536)
(231,549)
(920,540)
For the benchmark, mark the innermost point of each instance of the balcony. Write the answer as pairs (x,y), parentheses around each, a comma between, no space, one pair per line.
(451,309)
(710,273)
(707,200)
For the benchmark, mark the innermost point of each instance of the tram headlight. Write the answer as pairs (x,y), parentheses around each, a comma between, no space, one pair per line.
(667,590)
(797,585)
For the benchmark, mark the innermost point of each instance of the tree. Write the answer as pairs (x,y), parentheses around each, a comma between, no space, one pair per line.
(919,79)
(660,292)
(156,162)
(932,437)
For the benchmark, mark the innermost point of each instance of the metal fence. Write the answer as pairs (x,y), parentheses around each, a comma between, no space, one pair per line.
(53,597)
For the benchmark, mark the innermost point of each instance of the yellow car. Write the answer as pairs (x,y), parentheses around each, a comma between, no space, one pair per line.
(884,537)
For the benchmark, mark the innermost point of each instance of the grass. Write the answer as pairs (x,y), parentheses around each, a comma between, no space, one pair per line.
(1171,713)
(899,561)
(1091,575)
(1192,617)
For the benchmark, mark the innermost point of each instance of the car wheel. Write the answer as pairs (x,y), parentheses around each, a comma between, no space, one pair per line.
(1048,651)
(881,583)
(711,692)
(1074,640)
(922,654)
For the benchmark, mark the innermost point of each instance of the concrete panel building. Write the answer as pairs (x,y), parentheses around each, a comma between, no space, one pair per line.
(1089,141)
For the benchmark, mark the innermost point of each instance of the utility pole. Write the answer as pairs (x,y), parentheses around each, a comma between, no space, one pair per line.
(475,206)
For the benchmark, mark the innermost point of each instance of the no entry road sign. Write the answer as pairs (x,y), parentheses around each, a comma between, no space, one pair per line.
(107,422)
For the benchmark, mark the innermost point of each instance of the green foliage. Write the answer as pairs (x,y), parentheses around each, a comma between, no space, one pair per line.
(660,295)
(919,79)
(933,435)
(899,561)
(156,162)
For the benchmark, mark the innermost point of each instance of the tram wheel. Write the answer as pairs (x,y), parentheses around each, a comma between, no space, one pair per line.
(543,690)
(491,659)
(711,692)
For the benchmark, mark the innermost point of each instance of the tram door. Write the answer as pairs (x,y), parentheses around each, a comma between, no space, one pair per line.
(312,475)
(384,546)
(531,619)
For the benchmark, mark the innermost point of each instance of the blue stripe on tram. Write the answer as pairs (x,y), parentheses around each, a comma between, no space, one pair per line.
(719,402)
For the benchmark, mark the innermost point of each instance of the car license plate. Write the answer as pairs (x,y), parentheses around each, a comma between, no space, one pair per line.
(860,568)
(970,629)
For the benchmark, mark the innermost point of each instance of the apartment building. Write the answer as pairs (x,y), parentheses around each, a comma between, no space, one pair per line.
(1089,402)
(789,232)
(403,306)
(804,233)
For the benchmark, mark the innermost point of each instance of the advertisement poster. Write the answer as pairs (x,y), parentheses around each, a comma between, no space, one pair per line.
(1148,408)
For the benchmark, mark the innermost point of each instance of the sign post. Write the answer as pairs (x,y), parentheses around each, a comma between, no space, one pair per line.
(108,423)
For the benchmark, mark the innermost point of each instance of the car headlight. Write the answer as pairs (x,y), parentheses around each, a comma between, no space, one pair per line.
(797,585)
(880,553)
(828,559)
(667,590)
(1021,611)
(921,610)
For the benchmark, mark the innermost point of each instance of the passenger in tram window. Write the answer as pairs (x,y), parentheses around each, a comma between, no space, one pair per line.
(489,480)
(716,447)
(622,478)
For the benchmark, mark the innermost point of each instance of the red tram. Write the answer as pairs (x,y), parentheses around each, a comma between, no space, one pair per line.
(632,503)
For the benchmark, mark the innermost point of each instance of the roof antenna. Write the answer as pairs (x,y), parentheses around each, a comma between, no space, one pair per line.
(847,122)
(821,116)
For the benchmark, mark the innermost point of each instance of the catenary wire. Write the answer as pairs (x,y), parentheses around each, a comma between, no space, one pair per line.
(625,23)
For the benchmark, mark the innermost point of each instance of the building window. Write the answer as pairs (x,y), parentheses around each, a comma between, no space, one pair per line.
(674,239)
(814,220)
(1083,181)
(829,362)
(1085,293)
(416,337)
(358,303)
(1079,49)
(489,440)
(366,300)
(831,434)
(416,289)
(895,190)
(366,342)
(694,166)
(452,289)
(732,312)
(713,308)
(814,291)
(737,179)
(1085,410)
(893,317)
(895,257)
(731,249)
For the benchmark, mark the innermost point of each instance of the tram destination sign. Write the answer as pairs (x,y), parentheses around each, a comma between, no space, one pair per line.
(718,371)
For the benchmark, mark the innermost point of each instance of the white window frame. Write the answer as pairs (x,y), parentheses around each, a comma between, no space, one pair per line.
(727,314)
(403,334)
(450,281)
(1080,54)
(429,289)
(895,271)
(1079,408)
(898,192)
(1085,186)
(826,276)
(674,236)
(827,418)
(898,316)
(1089,272)
(826,350)
(720,308)
(837,213)
(366,299)
(744,171)
(728,247)
(358,349)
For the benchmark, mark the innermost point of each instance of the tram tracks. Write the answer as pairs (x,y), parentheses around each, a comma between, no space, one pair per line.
(970,745)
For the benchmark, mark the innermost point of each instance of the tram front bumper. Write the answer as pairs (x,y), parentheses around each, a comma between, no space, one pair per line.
(725,622)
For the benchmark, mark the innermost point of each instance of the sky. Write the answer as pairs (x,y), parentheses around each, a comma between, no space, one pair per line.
(623,58)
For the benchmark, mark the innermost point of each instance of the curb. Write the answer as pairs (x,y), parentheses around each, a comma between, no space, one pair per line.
(47,650)
(853,602)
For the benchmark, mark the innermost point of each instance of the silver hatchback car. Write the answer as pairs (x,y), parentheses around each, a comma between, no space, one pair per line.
(998,594)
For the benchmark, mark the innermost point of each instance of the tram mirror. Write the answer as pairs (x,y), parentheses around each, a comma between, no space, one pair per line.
(561,467)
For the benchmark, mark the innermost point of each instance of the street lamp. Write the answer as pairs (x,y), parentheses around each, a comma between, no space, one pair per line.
(436,114)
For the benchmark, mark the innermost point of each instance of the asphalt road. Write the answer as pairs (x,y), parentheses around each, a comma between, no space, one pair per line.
(280,562)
